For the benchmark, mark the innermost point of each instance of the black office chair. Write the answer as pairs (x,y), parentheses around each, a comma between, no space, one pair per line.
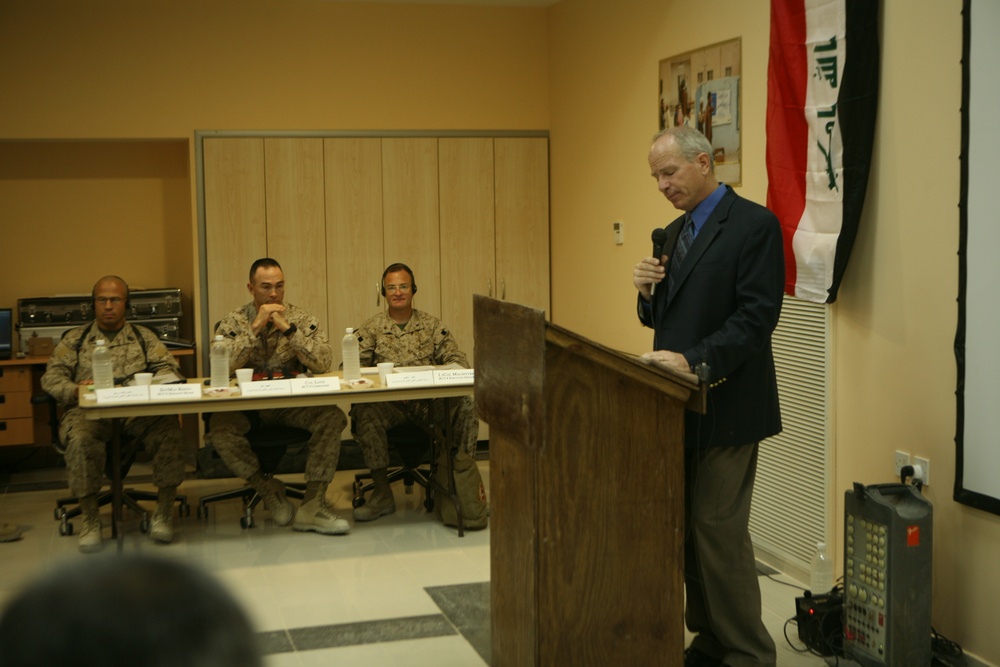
(270,444)
(412,447)
(69,507)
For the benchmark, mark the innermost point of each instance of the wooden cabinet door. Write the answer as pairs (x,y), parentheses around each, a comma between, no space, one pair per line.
(469,215)
(466,224)
(410,214)
(235,221)
(522,220)
(354,239)
(296,225)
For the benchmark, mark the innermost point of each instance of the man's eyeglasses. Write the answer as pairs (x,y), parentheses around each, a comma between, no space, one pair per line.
(392,289)
(113,300)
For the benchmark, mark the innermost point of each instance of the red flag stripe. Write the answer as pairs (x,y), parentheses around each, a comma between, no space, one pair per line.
(787,129)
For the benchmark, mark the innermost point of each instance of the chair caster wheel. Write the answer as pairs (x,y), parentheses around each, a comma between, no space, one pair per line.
(58,513)
(202,512)
(358,502)
(246,522)
(184,509)
(144,525)
(65,529)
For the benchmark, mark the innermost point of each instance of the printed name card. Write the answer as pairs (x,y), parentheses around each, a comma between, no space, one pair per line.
(122,395)
(414,379)
(175,392)
(455,376)
(267,388)
(314,385)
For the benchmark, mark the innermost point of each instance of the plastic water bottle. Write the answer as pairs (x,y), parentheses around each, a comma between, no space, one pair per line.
(821,571)
(220,363)
(103,371)
(352,360)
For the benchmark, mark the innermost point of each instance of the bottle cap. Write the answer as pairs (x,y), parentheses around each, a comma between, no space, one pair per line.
(350,330)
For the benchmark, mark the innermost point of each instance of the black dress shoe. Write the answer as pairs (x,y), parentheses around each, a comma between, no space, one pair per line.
(695,658)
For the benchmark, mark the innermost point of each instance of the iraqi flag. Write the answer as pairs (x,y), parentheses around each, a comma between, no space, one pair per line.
(822,97)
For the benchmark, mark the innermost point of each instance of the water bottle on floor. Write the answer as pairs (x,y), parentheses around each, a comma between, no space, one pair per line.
(821,571)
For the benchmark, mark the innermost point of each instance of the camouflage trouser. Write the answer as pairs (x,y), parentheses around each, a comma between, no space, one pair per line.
(227,433)
(85,442)
(372,420)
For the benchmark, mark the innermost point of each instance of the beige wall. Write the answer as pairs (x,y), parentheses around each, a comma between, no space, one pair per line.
(894,323)
(587,71)
(71,212)
(116,68)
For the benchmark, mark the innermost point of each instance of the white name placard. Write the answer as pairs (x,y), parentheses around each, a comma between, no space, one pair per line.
(266,388)
(415,379)
(455,376)
(175,392)
(122,395)
(315,385)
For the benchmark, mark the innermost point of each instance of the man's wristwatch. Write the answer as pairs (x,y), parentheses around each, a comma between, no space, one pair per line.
(290,330)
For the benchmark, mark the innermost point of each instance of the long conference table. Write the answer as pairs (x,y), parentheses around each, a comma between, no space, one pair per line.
(117,406)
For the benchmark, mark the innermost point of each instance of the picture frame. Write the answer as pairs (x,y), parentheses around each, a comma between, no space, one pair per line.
(701,89)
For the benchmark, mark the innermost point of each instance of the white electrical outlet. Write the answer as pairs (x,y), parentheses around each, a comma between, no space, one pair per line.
(925,465)
(902,459)
(619,228)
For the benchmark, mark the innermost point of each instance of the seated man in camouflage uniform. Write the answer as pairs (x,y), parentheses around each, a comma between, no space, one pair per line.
(407,337)
(271,336)
(134,349)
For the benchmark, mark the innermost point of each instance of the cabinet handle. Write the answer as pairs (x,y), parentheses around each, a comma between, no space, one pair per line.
(503,289)
(3,398)
(3,426)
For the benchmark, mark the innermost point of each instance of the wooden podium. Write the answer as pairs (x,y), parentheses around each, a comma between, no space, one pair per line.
(586,491)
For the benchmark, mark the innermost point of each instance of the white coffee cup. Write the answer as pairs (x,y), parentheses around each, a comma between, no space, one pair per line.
(143,379)
(384,368)
(244,375)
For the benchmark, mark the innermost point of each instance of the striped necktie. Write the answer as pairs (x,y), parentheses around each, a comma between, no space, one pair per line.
(683,245)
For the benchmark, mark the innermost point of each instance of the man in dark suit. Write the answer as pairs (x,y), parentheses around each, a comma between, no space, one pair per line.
(717,297)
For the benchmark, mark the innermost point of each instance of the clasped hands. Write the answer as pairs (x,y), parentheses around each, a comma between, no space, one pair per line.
(273,313)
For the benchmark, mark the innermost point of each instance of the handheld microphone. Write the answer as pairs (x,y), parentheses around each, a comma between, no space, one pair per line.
(659,239)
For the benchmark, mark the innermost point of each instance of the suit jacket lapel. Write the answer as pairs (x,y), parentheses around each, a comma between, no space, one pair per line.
(701,243)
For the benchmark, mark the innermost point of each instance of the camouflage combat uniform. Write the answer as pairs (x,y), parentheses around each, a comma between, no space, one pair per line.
(423,341)
(84,439)
(271,350)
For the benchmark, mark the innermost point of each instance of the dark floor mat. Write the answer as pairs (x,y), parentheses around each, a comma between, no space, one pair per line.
(467,606)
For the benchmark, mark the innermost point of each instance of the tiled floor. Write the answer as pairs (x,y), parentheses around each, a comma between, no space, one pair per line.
(367,597)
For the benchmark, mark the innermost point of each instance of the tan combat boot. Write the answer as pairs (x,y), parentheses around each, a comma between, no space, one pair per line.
(380,502)
(161,529)
(9,532)
(272,491)
(90,535)
(316,515)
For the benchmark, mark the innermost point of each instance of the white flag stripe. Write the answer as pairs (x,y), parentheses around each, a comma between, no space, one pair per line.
(815,239)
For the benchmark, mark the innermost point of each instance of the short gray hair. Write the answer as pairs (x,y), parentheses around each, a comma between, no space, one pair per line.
(690,141)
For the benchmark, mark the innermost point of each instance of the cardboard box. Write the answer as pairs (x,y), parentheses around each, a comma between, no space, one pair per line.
(40,346)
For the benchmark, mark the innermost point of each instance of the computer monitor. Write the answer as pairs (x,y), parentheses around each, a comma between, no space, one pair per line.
(6,332)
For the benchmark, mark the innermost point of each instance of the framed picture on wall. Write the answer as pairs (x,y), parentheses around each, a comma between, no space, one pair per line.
(701,89)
